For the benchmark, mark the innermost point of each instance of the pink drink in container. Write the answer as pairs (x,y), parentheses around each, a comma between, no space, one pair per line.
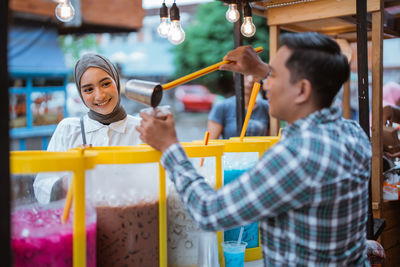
(40,239)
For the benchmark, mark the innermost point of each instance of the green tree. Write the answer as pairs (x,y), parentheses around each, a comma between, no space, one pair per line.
(208,38)
(74,45)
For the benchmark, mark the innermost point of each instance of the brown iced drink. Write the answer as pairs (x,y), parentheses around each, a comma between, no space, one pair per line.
(128,235)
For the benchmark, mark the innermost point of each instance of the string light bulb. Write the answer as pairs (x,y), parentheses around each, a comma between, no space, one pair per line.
(248,29)
(65,11)
(232,14)
(176,34)
(163,28)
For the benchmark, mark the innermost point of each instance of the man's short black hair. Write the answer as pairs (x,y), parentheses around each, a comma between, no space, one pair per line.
(317,58)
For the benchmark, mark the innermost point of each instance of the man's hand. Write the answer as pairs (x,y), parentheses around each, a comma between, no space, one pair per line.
(246,61)
(392,156)
(158,132)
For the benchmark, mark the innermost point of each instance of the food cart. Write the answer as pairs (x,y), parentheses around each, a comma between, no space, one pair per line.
(320,15)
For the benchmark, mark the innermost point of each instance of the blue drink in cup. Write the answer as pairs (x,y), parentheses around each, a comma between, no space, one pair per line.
(250,234)
(234,253)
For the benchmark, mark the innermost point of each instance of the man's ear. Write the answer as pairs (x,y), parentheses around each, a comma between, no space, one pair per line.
(304,91)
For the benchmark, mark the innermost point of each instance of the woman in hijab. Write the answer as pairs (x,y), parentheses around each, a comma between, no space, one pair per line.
(106,123)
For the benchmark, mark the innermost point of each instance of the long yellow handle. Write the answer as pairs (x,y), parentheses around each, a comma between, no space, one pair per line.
(253,97)
(200,73)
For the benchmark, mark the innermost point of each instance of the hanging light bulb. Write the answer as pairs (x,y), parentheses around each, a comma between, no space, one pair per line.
(164,26)
(176,35)
(248,28)
(65,11)
(232,14)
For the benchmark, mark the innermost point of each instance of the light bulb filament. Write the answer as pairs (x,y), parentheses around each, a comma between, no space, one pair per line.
(65,11)
(248,29)
(232,14)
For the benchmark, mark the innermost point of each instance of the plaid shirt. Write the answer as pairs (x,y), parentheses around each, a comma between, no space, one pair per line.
(309,193)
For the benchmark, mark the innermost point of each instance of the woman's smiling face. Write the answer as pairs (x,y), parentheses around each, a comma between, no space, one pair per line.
(99,90)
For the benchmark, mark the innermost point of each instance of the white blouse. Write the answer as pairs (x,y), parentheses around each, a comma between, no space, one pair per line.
(68,135)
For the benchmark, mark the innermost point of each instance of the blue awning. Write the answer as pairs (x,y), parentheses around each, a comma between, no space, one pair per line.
(35,51)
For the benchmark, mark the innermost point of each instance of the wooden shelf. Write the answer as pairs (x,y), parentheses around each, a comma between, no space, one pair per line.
(333,18)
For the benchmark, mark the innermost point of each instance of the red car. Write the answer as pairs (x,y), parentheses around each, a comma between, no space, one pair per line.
(195,97)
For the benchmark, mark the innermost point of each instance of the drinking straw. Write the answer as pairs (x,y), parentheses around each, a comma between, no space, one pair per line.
(206,137)
(253,97)
(68,202)
(200,73)
(240,235)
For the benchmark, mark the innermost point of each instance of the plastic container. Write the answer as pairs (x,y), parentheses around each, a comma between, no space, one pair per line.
(235,164)
(242,155)
(38,237)
(390,192)
(183,232)
(238,158)
(127,187)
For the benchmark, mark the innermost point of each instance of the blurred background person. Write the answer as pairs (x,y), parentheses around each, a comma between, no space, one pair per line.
(222,118)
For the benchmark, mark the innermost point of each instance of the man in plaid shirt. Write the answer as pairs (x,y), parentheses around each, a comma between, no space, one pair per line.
(309,191)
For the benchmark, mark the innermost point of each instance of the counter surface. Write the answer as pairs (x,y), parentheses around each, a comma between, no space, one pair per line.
(258,263)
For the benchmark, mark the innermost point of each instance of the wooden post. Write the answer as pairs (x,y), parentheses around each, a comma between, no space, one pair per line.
(274,124)
(377,144)
(346,100)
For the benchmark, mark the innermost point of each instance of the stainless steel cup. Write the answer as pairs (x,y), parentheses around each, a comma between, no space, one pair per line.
(149,93)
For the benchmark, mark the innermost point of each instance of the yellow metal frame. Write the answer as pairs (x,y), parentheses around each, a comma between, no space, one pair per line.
(273,139)
(30,162)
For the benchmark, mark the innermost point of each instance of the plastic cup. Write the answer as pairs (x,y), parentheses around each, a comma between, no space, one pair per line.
(159,111)
(234,253)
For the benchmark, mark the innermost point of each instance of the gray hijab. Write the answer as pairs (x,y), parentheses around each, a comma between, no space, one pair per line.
(98,61)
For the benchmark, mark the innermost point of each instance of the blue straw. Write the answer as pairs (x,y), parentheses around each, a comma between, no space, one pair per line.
(240,235)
